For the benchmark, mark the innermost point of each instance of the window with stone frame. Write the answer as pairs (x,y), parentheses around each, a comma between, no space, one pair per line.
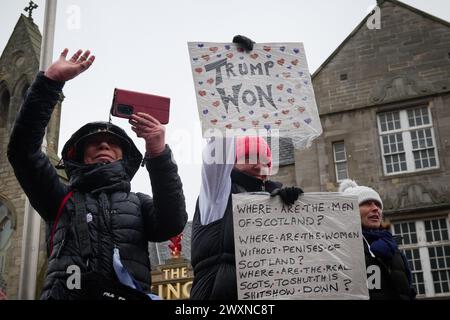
(14,109)
(426,245)
(340,160)
(4,107)
(407,140)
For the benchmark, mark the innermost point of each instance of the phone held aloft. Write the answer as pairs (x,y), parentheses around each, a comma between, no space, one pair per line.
(126,102)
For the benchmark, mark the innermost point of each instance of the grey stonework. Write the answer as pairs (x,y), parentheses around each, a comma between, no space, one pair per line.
(404,64)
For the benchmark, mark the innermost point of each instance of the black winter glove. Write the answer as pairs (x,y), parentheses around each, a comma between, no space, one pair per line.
(289,194)
(244,42)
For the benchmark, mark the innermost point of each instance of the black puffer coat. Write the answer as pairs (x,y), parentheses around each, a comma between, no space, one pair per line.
(392,275)
(213,255)
(117,217)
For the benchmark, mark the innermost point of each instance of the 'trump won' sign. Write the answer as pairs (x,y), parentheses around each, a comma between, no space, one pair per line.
(268,88)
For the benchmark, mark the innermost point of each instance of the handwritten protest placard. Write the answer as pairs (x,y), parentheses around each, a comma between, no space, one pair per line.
(311,250)
(268,88)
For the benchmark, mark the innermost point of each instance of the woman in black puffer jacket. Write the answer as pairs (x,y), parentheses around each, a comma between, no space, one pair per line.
(102,224)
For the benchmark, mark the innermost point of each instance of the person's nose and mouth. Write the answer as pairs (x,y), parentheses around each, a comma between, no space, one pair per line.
(261,170)
(375,212)
(104,152)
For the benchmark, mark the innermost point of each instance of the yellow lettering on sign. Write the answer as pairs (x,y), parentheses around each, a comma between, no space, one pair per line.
(175,290)
(175,273)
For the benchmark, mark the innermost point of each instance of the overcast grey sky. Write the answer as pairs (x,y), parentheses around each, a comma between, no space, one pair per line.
(142,46)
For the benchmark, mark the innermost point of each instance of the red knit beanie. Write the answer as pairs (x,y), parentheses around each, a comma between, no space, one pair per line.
(253,146)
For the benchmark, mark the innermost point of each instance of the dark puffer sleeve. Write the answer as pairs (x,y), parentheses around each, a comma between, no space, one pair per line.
(33,169)
(165,215)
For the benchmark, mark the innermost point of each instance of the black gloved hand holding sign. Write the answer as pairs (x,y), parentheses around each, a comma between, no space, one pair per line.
(244,42)
(289,194)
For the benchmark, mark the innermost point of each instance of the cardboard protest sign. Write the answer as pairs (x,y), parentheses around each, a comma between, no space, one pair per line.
(311,250)
(266,89)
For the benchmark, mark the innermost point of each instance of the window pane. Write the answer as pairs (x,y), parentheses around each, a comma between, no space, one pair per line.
(418,164)
(400,142)
(424,158)
(403,166)
(397,120)
(420,140)
(421,289)
(340,156)
(396,167)
(389,168)
(437,235)
(433,264)
(338,146)
(413,257)
(339,151)
(411,122)
(433,162)
(419,121)
(407,231)
(340,159)
(342,170)
(417,264)
(437,287)
(418,116)
(389,121)
(440,269)
(435,224)
(426,119)
(447,251)
(431,252)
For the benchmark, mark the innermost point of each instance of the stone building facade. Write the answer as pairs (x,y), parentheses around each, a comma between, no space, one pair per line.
(384,103)
(19,64)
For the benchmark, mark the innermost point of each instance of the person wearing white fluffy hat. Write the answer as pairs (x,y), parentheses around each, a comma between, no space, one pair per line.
(380,248)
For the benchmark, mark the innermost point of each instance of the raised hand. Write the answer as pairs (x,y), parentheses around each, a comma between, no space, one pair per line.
(151,130)
(64,70)
(289,194)
(244,42)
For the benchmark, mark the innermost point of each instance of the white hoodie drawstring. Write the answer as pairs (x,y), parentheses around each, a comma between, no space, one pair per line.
(368,247)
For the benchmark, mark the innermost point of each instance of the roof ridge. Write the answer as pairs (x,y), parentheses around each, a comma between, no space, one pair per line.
(363,21)
(32,28)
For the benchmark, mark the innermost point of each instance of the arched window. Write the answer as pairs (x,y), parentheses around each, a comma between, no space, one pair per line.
(19,92)
(4,106)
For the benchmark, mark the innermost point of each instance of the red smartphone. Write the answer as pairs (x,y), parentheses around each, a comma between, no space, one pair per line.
(126,102)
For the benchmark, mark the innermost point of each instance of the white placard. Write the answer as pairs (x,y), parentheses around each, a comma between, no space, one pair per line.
(311,250)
